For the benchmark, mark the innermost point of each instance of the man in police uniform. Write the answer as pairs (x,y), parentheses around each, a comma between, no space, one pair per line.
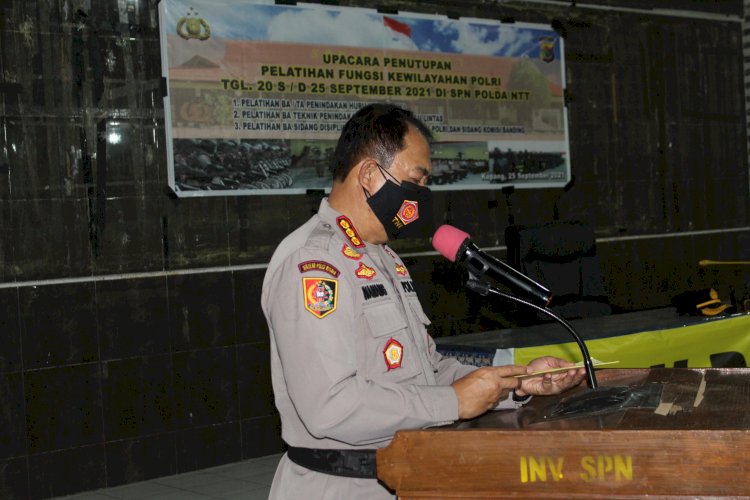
(351,359)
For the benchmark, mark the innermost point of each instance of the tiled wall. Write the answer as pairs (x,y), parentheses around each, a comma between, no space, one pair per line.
(132,344)
(110,382)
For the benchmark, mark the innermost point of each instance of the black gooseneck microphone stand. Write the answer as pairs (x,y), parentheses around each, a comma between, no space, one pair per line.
(596,400)
(484,289)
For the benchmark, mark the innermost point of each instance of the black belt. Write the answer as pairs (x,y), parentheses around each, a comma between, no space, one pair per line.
(346,463)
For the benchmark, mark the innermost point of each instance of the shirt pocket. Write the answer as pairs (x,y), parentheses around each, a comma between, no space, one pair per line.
(390,352)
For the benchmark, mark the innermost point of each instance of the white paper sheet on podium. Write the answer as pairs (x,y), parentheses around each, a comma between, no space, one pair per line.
(594,362)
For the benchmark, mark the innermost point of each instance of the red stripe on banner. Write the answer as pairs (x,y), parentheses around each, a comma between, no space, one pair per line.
(397,26)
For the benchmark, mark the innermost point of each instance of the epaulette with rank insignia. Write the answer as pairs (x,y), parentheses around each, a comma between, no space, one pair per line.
(320,237)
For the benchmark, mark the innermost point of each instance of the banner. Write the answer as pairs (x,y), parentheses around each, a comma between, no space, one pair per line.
(719,343)
(257,94)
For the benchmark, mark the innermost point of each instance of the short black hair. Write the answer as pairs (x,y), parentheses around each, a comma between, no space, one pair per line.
(378,131)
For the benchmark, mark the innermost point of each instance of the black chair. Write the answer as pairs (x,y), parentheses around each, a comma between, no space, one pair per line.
(562,257)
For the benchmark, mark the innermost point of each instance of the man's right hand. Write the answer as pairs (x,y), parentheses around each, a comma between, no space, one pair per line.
(482,389)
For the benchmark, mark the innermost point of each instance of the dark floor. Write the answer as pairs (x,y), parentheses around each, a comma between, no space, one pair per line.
(247,480)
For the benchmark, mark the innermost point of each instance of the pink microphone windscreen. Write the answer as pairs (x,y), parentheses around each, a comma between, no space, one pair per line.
(447,240)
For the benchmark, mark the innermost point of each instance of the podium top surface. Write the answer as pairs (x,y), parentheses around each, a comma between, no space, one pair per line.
(656,398)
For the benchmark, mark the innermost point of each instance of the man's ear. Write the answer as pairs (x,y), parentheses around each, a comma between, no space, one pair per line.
(368,174)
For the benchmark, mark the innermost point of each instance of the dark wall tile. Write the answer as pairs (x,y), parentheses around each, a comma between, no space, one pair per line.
(129,240)
(201,310)
(196,233)
(205,384)
(63,407)
(146,67)
(254,380)
(12,411)
(137,397)
(250,322)
(261,436)
(52,145)
(135,460)
(4,166)
(14,479)
(131,149)
(256,226)
(67,471)
(61,249)
(10,331)
(136,165)
(133,317)
(7,274)
(209,446)
(58,325)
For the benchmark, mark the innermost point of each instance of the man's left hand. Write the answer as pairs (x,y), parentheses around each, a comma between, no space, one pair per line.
(550,383)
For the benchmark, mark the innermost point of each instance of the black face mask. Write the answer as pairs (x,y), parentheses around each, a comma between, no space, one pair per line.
(404,209)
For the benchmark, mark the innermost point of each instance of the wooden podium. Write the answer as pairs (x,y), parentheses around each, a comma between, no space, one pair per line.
(671,433)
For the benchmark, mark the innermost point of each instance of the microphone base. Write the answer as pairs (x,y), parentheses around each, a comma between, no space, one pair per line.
(602,400)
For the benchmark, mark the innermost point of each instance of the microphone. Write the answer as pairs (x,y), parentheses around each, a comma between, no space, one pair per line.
(456,246)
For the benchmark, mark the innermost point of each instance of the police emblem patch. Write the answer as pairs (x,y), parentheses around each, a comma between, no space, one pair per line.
(319,295)
(365,272)
(393,353)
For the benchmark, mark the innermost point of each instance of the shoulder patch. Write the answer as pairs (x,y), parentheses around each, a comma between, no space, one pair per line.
(349,231)
(318,265)
(319,296)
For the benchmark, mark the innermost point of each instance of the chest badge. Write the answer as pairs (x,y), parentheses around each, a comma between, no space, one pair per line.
(350,253)
(401,270)
(319,296)
(365,272)
(393,353)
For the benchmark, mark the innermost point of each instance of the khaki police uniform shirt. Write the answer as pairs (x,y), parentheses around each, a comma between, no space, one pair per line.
(351,359)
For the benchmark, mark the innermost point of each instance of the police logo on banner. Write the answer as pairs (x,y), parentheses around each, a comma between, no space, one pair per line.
(547,49)
(319,295)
